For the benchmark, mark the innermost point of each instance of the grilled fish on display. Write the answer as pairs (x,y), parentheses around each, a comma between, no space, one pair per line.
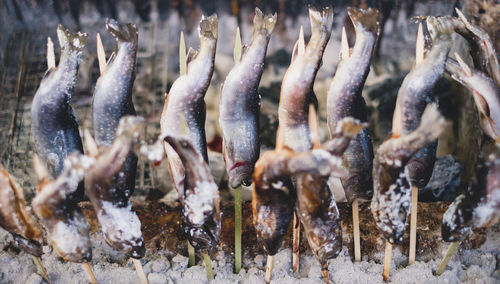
(54,124)
(240,104)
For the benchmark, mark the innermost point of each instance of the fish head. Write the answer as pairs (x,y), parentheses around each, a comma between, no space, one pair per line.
(240,174)
(205,237)
(456,220)
(70,239)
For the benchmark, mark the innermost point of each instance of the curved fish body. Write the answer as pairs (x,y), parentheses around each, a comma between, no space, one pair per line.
(479,207)
(391,181)
(113,99)
(484,91)
(54,124)
(297,87)
(119,223)
(184,111)
(240,105)
(13,215)
(416,92)
(345,100)
(67,228)
(201,212)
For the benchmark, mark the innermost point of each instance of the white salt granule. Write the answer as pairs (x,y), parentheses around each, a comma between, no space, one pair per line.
(119,223)
(201,202)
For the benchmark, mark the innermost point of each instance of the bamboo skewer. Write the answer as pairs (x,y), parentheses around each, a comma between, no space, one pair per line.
(140,271)
(89,272)
(387,261)
(296,243)
(41,269)
(355,226)
(413,224)
(237,229)
(324,273)
(208,266)
(449,253)
(269,268)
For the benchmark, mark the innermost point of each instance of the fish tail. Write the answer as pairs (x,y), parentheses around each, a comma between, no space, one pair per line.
(432,123)
(365,19)
(321,20)
(264,24)
(350,127)
(123,33)
(437,26)
(208,26)
(71,41)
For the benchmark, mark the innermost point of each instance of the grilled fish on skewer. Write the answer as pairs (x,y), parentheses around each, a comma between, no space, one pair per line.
(416,92)
(344,100)
(66,226)
(484,91)
(120,225)
(297,87)
(240,105)
(113,99)
(186,100)
(54,124)
(391,182)
(13,215)
(201,209)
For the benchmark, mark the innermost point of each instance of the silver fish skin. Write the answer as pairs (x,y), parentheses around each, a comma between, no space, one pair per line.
(345,100)
(54,123)
(66,226)
(240,105)
(184,112)
(485,93)
(119,223)
(297,87)
(391,182)
(479,206)
(201,212)
(416,92)
(113,98)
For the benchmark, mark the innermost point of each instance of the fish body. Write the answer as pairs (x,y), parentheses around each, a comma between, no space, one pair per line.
(240,105)
(184,112)
(345,100)
(201,212)
(120,225)
(297,87)
(416,92)
(391,181)
(66,226)
(113,98)
(54,124)
(14,217)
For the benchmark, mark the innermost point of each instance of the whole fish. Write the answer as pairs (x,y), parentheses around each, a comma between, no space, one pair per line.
(240,105)
(297,86)
(201,212)
(120,225)
(113,99)
(484,91)
(14,217)
(391,181)
(66,226)
(416,92)
(54,124)
(184,112)
(345,100)
(479,206)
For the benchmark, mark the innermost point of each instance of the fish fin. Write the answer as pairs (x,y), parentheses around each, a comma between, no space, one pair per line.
(321,20)
(463,65)
(238,49)
(208,26)
(51,56)
(48,72)
(101,54)
(439,26)
(40,169)
(345,53)
(313,127)
(122,32)
(295,50)
(350,127)
(432,122)
(191,55)
(365,19)
(264,23)
(69,41)
(89,143)
(111,58)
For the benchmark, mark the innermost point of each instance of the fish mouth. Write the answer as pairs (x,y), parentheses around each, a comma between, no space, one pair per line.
(240,173)
(201,238)
(81,254)
(329,251)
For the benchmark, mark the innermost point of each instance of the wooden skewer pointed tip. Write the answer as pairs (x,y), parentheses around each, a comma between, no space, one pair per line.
(269,268)
(355,225)
(140,271)
(89,272)
(387,261)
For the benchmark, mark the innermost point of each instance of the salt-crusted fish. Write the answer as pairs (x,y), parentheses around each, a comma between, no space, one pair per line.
(120,225)
(479,207)
(67,228)
(14,217)
(240,104)
(297,87)
(54,124)
(345,100)
(113,99)
(184,111)
(391,181)
(417,91)
(484,91)
(201,212)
